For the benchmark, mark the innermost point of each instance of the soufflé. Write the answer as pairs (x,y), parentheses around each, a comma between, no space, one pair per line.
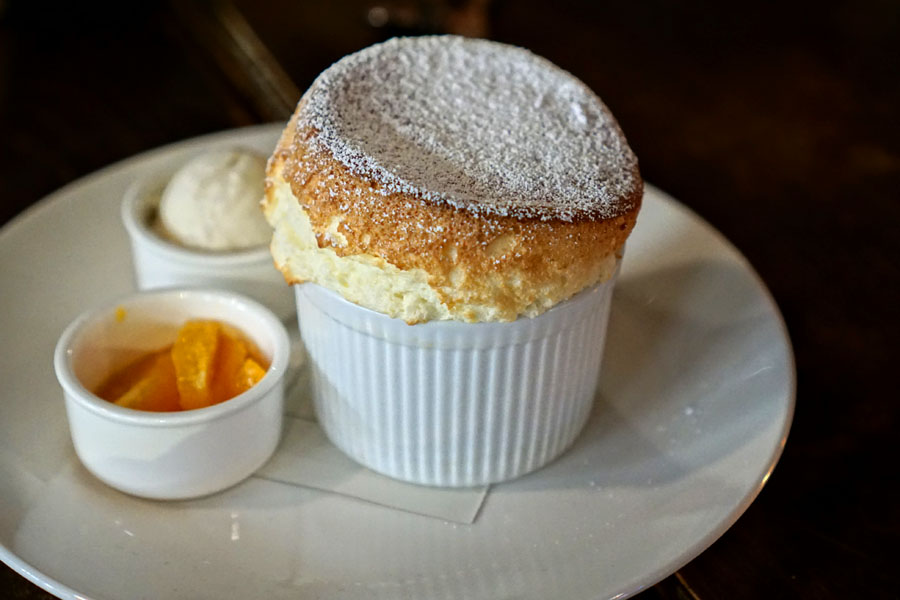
(455,211)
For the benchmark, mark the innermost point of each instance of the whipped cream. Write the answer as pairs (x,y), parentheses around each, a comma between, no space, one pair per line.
(212,202)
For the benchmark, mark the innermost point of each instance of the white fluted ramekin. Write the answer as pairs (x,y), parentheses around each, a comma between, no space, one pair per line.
(160,263)
(453,404)
(169,455)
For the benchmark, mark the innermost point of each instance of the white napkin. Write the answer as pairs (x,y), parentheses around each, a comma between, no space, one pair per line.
(305,457)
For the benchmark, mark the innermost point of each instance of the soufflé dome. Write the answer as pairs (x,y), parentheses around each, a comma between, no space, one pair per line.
(446,178)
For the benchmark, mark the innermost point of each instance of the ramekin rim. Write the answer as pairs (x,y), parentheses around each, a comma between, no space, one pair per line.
(86,399)
(450,324)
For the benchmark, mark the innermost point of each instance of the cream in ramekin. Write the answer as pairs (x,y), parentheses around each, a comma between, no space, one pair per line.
(160,261)
(466,203)
(169,455)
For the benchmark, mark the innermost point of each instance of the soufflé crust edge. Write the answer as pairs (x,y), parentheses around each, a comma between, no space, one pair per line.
(358,192)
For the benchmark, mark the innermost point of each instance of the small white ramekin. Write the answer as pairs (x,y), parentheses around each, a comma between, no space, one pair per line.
(160,263)
(453,404)
(175,454)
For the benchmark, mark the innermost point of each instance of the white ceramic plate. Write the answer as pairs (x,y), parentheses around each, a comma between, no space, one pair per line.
(694,407)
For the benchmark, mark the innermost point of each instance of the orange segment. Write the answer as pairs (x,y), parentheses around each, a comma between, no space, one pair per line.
(194,355)
(248,376)
(156,390)
(124,379)
(231,354)
(210,362)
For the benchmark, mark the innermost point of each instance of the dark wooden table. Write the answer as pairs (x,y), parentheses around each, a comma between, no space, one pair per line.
(777,123)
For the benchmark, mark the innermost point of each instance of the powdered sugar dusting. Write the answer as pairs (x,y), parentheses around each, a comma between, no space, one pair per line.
(482,126)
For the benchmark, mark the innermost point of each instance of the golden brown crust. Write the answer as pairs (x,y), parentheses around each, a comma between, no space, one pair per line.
(504,262)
